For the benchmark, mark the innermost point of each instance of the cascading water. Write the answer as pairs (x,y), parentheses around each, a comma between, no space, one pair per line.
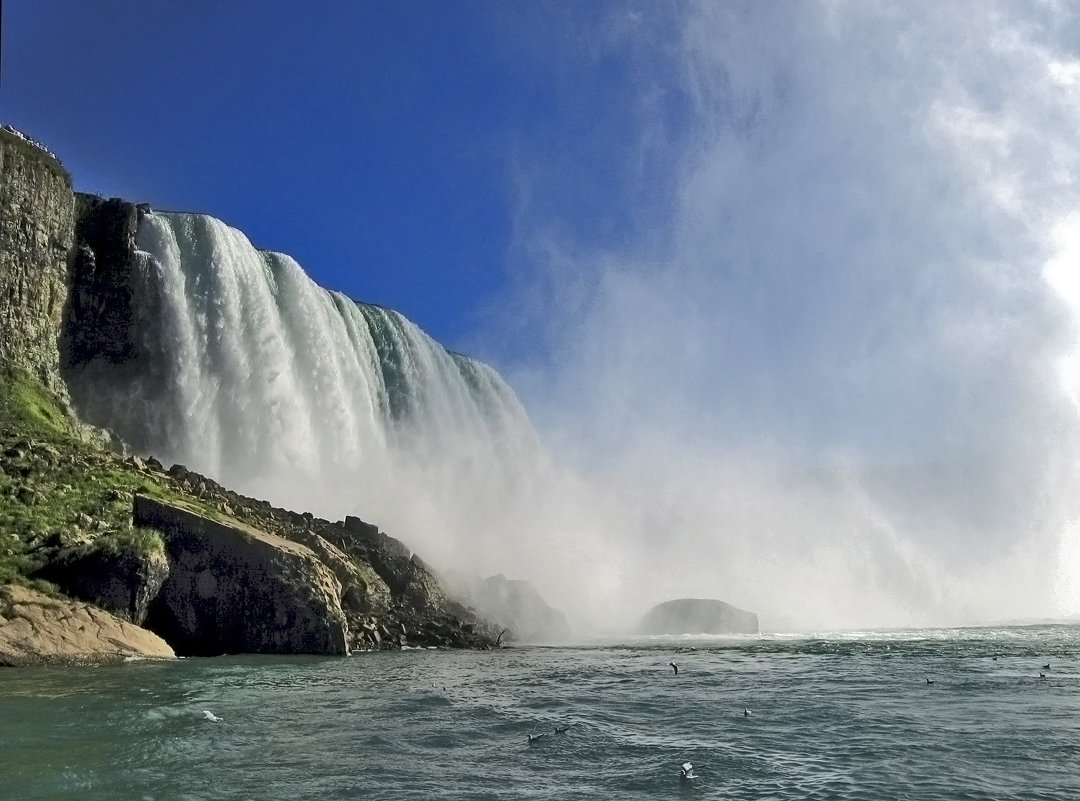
(254,375)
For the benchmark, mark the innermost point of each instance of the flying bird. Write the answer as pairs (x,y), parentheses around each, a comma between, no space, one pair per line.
(210,716)
(674,667)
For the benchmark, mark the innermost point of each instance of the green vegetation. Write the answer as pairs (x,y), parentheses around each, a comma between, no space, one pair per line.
(29,409)
(61,492)
(136,542)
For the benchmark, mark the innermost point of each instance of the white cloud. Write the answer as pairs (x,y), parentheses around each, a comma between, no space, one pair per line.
(836,366)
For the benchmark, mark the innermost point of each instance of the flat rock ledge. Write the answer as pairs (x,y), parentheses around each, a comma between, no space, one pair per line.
(38,629)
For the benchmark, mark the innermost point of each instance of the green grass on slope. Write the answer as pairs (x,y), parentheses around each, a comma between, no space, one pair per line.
(59,491)
(29,409)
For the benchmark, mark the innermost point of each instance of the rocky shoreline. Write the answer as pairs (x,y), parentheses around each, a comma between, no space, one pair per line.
(40,629)
(217,572)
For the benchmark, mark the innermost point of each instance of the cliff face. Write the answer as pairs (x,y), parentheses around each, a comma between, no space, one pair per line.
(234,588)
(37,230)
(99,322)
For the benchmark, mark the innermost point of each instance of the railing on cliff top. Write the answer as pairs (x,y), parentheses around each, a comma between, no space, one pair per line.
(17,137)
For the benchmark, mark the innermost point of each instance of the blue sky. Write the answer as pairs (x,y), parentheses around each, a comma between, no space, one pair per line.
(376,143)
(723,250)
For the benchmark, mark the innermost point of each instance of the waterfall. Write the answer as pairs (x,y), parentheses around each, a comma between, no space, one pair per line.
(252,374)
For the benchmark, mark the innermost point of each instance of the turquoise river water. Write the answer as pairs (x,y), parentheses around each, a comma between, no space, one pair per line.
(840,716)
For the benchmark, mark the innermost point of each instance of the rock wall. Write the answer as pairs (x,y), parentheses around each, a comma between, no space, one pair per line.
(389,598)
(100,317)
(37,231)
(235,589)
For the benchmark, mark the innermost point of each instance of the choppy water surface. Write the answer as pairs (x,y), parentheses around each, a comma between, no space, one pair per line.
(840,716)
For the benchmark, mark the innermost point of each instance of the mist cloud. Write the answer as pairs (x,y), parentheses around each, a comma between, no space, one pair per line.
(827,381)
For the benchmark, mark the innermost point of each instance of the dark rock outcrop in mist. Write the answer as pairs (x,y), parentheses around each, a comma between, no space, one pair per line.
(512,605)
(370,580)
(698,616)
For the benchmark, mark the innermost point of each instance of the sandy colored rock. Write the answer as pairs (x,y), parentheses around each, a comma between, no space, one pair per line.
(38,629)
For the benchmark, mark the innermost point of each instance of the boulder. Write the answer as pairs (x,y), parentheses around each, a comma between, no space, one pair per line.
(235,589)
(36,628)
(698,616)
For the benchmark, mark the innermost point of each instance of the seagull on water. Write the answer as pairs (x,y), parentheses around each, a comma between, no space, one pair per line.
(686,771)
(210,716)
(562,729)
(534,737)
(674,667)
(747,713)
(1046,666)
(929,681)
